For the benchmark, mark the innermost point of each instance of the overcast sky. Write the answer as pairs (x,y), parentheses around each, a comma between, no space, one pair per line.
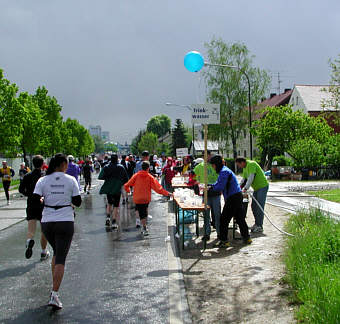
(116,62)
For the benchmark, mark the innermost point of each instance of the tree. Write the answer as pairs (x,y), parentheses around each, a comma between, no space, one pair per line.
(135,142)
(280,130)
(163,148)
(50,112)
(110,147)
(148,142)
(98,144)
(178,136)
(159,125)
(334,90)
(229,88)
(9,123)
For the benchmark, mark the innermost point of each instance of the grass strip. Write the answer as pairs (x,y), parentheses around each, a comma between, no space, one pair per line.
(13,183)
(331,195)
(312,261)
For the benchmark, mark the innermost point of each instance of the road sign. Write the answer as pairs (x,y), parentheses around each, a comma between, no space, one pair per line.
(205,114)
(180,152)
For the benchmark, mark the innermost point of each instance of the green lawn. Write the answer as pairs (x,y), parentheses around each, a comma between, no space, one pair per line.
(14,185)
(331,195)
(312,261)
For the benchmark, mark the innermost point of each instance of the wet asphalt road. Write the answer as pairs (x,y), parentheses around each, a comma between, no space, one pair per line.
(110,277)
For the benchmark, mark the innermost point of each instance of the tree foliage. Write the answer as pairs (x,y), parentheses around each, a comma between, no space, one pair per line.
(159,125)
(148,142)
(33,124)
(334,90)
(229,88)
(283,130)
(179,139)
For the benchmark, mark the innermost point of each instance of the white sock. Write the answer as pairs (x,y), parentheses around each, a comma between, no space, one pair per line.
(54,293)
(43,251)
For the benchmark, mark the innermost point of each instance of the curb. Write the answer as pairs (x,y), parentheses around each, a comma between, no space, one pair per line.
(178,302)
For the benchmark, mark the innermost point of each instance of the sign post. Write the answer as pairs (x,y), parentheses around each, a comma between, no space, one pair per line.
(205,114)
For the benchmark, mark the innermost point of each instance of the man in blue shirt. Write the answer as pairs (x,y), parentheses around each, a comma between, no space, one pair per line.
(233,198)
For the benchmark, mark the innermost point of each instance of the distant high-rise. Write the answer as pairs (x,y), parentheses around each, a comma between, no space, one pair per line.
(95,130)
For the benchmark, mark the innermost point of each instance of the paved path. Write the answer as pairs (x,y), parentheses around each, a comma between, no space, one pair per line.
(288,195)
(111,277)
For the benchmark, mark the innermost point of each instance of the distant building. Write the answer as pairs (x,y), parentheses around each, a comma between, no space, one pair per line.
(95,130)
(123,149)
(309,98)
(105,136)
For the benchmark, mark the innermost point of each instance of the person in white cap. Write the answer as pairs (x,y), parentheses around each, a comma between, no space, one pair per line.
(73,169)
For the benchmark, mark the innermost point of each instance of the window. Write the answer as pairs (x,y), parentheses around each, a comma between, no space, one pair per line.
(238,153)
(245,153)
(297,100)
(244,133)
(293,101)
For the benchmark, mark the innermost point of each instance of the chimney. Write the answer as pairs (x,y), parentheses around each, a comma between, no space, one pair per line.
(287,89)
(272,95)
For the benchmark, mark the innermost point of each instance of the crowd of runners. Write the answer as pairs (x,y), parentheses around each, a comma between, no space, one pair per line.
(53,191)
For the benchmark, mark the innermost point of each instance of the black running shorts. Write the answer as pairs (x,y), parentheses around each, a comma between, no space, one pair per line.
(113,199)
(59,235)
(34,213)
(142,210)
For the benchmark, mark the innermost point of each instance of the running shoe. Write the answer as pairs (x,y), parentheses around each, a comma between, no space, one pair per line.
(107,222)
(8,202)
(55,302)
(123,202)
(145,231)
(251,228)
(88,192)
(247,240)
(137,223)
(114,224)
(223,244)
(44,256)
(257,229)
(29,247)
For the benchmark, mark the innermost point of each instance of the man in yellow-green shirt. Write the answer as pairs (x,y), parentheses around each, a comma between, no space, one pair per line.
(254,176)
(214,199)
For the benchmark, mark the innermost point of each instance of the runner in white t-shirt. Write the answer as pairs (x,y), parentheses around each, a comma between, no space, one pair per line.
(58,191)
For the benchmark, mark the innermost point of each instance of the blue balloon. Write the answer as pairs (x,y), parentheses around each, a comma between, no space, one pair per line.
(193,61)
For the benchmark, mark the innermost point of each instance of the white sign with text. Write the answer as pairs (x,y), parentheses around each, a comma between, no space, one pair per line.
(205,114)
(180,152)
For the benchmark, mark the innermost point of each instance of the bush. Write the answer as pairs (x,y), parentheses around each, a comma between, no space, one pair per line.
(282,160)
(313,266)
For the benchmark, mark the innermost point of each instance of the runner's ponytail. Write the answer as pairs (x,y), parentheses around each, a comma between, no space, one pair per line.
(55,162)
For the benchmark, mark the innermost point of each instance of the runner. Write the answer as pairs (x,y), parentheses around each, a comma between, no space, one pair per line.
(6,173)
(125,164)
(59,192)
(23,170)
(132,165)
(145,157)
(233,206)
(143,182)
(96,165)
(87,171)
(114,176)
(73,169)
(169,174)
(254,176)
(33,213)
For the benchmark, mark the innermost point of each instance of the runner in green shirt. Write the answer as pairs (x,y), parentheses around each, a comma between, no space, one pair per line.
(254,176)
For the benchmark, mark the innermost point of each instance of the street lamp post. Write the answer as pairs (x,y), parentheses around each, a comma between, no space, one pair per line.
(193,125)
(194,62)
